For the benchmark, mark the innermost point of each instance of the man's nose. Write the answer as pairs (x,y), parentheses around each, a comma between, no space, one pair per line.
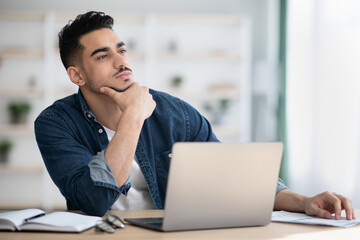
(121,61)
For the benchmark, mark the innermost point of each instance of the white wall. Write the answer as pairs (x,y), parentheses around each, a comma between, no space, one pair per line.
(323,100)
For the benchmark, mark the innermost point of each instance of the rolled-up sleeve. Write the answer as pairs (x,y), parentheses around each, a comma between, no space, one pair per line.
(280,185)
(84,179)
(101,174)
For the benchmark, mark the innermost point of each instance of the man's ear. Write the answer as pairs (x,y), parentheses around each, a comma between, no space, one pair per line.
(76,76)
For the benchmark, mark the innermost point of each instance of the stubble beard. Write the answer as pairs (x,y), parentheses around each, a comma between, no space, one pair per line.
(96,88)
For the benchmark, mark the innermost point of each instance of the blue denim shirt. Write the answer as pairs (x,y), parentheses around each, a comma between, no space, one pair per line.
(72,144)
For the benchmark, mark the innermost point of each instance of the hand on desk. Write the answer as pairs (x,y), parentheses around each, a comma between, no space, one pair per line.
(325,204)
(322,205)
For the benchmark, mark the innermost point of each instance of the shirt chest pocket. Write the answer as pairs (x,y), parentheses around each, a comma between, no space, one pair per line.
(162,161)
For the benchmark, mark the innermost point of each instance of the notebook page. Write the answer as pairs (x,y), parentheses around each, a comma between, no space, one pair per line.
(283,216)
(18,217)
(62,221)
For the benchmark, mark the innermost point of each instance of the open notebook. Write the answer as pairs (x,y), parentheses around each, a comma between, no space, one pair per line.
(36,220)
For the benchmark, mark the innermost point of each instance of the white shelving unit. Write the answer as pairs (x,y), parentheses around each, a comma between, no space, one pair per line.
(211,53)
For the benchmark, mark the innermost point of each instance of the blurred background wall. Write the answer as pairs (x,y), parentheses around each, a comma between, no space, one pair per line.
(220,56)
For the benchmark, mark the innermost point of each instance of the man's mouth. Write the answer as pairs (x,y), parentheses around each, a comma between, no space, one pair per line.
(124,72)
(124,75)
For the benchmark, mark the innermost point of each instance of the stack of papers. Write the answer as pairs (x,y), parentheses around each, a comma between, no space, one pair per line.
(283,216)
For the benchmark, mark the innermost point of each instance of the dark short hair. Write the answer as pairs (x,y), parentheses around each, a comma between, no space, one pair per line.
(69,36)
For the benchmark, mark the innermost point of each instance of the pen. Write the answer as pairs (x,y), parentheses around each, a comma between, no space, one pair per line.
(36,216)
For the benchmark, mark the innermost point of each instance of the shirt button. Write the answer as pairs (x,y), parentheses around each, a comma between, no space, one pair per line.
(100,130)
(89,115)
(170,155)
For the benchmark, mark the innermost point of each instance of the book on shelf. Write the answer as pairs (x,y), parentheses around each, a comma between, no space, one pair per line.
(37,220)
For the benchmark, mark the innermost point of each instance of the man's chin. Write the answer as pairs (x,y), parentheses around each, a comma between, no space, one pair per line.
(121,89)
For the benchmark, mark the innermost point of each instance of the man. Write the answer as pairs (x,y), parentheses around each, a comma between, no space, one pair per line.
(109,145)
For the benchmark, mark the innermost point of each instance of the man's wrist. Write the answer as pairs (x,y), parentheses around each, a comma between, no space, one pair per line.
(131,119)
(290,201)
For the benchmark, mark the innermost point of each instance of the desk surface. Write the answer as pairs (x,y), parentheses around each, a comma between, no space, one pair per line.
(271,231)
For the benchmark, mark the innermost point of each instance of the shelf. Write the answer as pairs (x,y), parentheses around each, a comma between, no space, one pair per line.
(16,129)
(20,53)
(8,169)
(21,16)
(205,95)
(20,93)
(203,19)
(119,18)
(216,56)
(201,57)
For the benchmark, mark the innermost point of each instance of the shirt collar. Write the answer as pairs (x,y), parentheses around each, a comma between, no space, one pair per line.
(85,107)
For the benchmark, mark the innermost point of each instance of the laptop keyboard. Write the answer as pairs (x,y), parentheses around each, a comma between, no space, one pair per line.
(154,221)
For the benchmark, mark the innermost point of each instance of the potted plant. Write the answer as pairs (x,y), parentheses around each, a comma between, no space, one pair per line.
(224,105)
(5,147)
(176,81)
(19,111)
(218,110)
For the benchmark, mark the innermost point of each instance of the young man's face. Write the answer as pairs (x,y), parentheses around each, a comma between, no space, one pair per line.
(105,62)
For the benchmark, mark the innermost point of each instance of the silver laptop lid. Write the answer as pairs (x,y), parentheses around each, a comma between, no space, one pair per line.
(217,185)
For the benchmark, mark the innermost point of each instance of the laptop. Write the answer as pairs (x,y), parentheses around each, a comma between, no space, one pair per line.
(218,185)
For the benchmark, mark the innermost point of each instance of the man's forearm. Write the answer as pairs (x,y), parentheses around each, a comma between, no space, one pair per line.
(121,149)
(290,201)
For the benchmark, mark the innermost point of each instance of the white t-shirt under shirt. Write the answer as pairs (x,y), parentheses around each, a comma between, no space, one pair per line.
(138,195)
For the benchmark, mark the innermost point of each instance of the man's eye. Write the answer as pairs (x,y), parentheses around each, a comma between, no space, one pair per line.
(123,51)
(101,57)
